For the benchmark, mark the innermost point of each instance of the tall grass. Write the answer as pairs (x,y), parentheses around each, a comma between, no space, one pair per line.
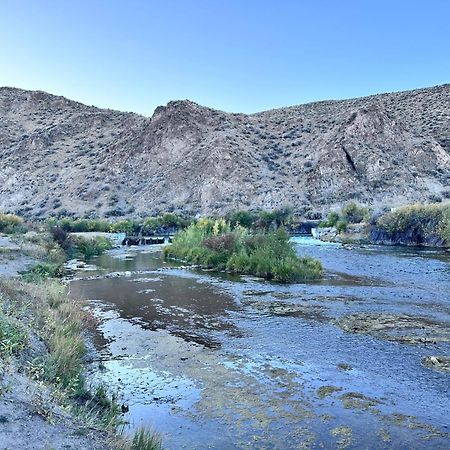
(59,322)
(145,439)
(215,244)
(12,336)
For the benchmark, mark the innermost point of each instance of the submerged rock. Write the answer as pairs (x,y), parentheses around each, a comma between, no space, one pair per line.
(438,363)
(400,328)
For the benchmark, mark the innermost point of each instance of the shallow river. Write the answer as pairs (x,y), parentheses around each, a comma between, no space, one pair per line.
(216,361)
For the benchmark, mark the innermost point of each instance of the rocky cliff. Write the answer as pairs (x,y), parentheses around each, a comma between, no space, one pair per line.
(60,156)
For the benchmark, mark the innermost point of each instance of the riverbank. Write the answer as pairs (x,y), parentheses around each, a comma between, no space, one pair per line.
(46,399)
(413,225)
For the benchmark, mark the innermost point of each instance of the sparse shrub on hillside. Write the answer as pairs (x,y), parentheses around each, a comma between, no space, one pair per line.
(435,198)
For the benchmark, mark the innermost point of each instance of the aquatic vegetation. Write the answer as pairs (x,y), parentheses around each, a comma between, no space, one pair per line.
(325,391)
(214,244)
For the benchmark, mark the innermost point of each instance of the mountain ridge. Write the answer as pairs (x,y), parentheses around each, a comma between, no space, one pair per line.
(63,157)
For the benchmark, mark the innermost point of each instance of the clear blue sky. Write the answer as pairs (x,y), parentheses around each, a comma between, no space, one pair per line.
(235,55)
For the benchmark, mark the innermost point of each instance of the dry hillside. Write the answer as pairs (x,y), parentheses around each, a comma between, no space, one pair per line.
(60,156)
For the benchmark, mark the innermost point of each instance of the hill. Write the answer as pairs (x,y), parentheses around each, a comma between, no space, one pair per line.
(62,157)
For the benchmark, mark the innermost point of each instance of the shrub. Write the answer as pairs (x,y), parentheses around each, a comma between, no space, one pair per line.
(341,225)
(63,239)
(352,213)
(10,223)
(331,221)
(43,271)
(241,218)
(79,225)
(419,220)
(86,248)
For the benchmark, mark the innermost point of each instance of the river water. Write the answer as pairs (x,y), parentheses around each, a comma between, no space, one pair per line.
(217,361)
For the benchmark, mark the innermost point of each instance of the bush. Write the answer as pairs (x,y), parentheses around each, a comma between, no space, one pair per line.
(341,225)
(419,220)
(86,248)
(352,213)
(212,244)
(241,218)
(79,225)
(43,271)
(331,221)
(10,223)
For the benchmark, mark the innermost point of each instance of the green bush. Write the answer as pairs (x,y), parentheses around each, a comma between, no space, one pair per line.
(12,337)
(86,248)
(352,213)
(241,218)
(212,244)
(43,271)
(341,225)
(10,223)
(424,220)
(79,225)
(331,221)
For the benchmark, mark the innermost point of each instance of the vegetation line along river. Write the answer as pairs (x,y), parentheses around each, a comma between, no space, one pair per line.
(356,359)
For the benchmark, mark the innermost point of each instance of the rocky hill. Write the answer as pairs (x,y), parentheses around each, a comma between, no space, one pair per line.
(61,157)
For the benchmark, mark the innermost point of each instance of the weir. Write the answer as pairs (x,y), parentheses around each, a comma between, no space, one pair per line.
(147,240)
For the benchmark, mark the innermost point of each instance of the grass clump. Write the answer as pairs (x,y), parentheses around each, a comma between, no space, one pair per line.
(42,271)
(12,337)
(145,439)
(419,222)
(215,244)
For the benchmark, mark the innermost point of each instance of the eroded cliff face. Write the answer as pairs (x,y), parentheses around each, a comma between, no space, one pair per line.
(60,156)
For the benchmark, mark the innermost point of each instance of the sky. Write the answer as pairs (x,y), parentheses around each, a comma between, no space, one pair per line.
(233,55)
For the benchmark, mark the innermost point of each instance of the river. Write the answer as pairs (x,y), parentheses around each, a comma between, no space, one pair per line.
(218,361)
